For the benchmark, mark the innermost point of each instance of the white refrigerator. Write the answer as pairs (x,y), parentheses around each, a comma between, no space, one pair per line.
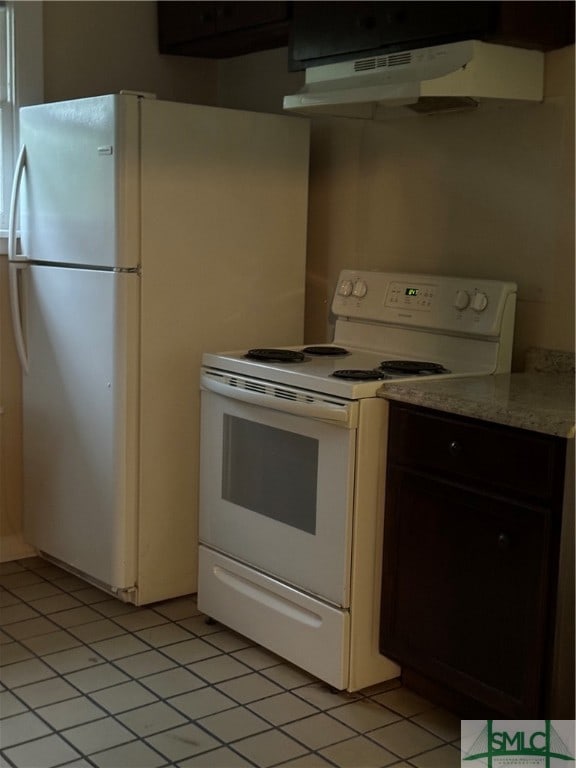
(151,231)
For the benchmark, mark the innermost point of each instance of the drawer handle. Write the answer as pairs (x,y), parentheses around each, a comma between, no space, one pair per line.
(503,541)
(455,448)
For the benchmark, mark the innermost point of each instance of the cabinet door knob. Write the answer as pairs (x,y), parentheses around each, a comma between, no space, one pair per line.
(503,541)
(455,448)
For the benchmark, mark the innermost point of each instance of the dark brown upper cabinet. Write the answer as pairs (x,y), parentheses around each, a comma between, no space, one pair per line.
(324,32)
(221,29)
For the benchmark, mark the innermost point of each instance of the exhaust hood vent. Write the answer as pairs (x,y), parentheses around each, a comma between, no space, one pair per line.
(441,78)
(376,62)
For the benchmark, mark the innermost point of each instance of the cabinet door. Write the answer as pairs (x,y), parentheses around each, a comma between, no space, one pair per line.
(221,29)
(180,22)
(465,595)
(323,32)
(234,16)
(351,27)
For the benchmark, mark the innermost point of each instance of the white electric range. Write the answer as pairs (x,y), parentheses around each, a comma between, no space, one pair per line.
(293,463)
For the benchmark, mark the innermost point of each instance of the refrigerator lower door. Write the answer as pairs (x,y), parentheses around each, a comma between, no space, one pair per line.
(81,420)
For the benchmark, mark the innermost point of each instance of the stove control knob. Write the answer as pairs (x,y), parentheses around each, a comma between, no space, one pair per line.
(462,299)
(360,289)
(345,288)
(479,302)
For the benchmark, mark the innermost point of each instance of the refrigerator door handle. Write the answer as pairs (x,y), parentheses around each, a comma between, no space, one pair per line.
(14,288)
(16,262)
(14,198)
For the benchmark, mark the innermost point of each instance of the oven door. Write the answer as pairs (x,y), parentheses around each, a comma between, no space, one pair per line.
(277,481)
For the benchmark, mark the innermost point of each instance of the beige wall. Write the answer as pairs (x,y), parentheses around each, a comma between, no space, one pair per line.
(486,194)
(92,48)
(257,82)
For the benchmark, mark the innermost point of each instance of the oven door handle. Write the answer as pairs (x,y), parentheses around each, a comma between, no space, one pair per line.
(278,398)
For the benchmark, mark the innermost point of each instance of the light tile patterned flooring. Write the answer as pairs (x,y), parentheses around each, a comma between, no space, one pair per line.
(87,680)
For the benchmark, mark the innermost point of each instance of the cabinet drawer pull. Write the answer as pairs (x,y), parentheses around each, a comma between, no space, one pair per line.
(503,541)
(455,448)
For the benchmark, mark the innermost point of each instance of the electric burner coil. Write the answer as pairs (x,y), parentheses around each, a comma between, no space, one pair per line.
(356,374)
(325,350)
(275,355)
(412,367)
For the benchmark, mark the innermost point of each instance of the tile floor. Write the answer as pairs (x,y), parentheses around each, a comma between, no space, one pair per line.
(89,681)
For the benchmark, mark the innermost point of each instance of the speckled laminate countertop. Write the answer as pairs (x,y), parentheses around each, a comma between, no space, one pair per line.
(542,402)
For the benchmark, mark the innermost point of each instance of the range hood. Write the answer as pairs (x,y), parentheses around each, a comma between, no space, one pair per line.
(440,78)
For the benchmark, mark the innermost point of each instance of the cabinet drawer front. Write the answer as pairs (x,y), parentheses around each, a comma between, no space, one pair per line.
(489,455)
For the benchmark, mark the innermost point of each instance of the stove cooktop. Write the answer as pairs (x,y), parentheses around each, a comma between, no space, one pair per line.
(418,325)
(331,369)
(385,370)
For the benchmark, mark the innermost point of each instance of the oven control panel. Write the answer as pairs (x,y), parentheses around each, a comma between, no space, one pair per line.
(410,295)
(453,304)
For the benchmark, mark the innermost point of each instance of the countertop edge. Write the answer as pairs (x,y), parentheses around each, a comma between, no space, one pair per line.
(531,417)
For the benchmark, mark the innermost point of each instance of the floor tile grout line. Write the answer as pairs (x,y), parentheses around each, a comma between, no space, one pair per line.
(166,701)
(61,731)
(106,714)
(208,684)
(158,648)
(141,679)
(222,742)
(199,724)
(434,733)
(125,630)
(171,659)
(140,737)
(61,629)
(236,703)
(137,737)
(67,763)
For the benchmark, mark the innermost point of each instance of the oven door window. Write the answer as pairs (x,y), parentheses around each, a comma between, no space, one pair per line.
(270,471)
(276,493)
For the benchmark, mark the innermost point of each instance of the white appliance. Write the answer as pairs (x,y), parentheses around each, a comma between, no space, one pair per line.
(151,232)
(293,464)
(447,77)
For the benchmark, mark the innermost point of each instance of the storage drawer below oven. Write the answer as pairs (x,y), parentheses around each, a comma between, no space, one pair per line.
(300,629)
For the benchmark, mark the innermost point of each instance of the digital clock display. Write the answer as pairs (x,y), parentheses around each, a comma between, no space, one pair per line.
(412,291)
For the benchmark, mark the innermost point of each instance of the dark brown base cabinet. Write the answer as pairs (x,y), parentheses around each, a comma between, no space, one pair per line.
(471,551)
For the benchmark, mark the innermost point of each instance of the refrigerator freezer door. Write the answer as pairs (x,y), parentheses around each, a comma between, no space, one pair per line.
(79,198)
(80,420)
